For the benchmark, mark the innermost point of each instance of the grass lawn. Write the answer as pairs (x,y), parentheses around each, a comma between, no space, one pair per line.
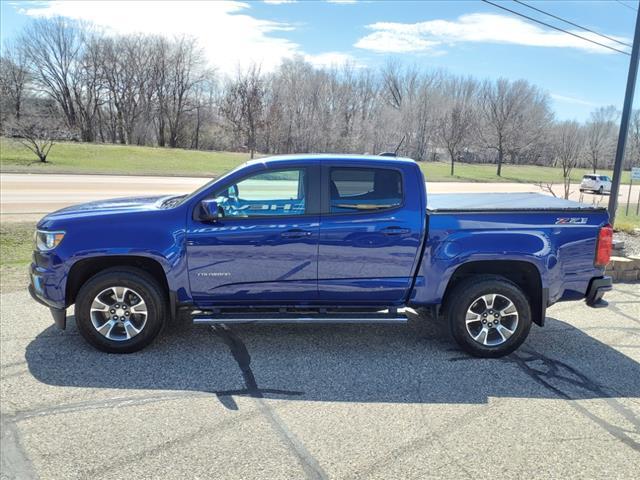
(627,223)
(70,157)
(16,245)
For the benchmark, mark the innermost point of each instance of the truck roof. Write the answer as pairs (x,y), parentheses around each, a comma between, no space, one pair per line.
(329,156)
(479,202)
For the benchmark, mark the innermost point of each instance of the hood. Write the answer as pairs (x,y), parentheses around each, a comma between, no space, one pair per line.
(106,207)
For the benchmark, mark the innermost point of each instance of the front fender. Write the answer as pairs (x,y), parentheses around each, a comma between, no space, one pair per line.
(158,236)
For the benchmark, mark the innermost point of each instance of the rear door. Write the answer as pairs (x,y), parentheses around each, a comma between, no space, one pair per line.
(371,227)
(264,248)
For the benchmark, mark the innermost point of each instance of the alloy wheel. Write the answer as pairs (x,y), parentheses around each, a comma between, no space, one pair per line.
(491,319)
(118,313)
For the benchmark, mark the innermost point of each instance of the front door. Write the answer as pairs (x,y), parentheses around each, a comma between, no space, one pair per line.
(263,248)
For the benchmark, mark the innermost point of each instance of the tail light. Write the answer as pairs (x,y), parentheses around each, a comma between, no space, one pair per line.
(604,246)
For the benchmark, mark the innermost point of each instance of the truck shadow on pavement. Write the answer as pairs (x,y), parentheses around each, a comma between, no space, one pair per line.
(392,364)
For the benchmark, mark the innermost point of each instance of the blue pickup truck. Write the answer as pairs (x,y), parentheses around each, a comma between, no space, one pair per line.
(320,238)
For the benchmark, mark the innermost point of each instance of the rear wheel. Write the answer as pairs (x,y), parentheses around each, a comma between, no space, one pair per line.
(120,310)
(489,316)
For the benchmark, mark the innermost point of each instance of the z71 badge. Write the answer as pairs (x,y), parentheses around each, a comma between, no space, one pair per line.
(572,221)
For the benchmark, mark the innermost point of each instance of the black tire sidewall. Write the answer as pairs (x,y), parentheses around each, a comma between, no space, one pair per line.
(137,281)
(462,298)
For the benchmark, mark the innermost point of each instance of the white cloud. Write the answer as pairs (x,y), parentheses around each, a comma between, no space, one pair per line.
(278,2)
(332,59)
(229,36)
(389,37)
(573,100)
(343,2)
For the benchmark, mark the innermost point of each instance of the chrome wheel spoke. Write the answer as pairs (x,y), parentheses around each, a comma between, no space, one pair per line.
(106,328)
(510,309)
(504,332)
(473,317)
(120,293)
(481,337)
(139,308)
(130,329)
(99,306)
(489,299)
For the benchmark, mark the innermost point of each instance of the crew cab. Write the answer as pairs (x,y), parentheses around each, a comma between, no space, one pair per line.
(320,239)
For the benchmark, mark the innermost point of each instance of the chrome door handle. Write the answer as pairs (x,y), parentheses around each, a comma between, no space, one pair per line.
(396,231)
(295,234)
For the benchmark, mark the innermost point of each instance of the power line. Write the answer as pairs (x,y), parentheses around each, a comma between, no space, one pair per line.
(571,23)
(626,5)
(556,28)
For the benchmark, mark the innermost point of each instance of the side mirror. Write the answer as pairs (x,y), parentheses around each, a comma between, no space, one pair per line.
(209,209)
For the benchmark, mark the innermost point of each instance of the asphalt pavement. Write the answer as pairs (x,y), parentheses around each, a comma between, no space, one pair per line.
(344,402)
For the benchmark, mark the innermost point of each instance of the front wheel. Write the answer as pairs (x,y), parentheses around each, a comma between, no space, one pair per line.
(489,316)
(120,310)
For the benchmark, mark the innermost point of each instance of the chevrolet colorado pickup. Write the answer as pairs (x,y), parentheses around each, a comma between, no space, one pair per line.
(320,238)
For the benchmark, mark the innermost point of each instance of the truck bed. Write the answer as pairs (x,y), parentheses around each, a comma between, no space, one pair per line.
(502,202)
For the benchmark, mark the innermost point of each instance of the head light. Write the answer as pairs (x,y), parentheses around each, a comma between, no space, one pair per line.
(46,241)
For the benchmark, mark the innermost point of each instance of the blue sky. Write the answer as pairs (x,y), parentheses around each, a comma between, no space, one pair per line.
(463,37)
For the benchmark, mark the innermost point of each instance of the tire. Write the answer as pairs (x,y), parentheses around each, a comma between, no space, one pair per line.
(138,292)
(601,190)
(467,301)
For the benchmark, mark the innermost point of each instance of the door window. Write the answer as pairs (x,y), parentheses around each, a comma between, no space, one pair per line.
(274,193)
(364,189)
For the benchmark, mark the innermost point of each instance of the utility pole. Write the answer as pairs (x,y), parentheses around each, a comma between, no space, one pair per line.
(624,122)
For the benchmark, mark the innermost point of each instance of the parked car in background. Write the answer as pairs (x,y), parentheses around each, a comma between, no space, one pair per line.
(596,183)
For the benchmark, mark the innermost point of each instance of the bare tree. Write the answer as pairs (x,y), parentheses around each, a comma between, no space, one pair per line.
(126,73)
(185,72)
(37,134)
(87,88)
(14,76)
(568,147)
(600,130)
(243,105)
(632,155)
(456,123)
(53,47)
(546,187)
(507,109)
(204,97)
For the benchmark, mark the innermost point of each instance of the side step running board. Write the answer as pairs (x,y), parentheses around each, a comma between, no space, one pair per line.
(274,318)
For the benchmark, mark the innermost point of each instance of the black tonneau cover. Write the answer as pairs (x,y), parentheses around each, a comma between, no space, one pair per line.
(505,202)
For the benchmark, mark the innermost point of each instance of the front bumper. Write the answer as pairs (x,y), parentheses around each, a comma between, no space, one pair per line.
(597,288)
(59,314)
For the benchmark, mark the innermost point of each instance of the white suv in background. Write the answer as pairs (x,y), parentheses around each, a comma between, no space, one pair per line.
(596,183)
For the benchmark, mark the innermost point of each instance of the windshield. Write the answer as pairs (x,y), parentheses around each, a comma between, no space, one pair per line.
(207,185)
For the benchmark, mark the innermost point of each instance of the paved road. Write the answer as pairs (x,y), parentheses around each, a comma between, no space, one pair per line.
(323,402)
(29,196)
